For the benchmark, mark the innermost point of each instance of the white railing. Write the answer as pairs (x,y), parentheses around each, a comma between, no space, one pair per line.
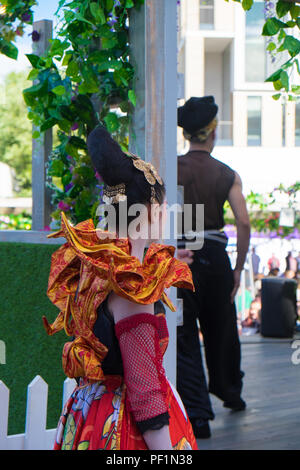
(36,436)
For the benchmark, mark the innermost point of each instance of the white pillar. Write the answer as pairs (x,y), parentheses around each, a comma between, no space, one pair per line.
(41,147)
(153,40)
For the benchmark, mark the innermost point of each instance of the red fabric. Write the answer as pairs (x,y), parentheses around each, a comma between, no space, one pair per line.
(96,417)
(144,374)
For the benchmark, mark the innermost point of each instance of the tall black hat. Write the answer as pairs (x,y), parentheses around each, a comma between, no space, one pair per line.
(196,113)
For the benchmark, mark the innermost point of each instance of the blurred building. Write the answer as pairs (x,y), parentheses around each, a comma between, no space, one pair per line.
(221,52)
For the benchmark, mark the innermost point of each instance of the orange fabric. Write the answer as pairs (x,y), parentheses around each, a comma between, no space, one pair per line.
(85,270)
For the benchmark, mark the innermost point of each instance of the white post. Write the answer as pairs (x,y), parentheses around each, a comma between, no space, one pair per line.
(4,405)
(153,40)
(69,386)
(36,414)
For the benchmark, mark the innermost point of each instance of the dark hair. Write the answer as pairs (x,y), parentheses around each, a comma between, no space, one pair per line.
(115,167)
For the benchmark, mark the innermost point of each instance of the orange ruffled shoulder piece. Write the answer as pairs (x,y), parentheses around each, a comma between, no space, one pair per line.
(86,269)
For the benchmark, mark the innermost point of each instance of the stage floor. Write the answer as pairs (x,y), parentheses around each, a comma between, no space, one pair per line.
(272,392)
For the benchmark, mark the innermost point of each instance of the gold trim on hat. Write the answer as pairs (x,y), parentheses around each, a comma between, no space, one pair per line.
(202,134)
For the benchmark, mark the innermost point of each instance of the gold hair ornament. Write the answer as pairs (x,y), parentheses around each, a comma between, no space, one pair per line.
(202,134)
(149,170)
(114,194)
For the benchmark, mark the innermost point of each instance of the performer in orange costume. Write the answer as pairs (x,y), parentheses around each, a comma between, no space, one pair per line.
(123,400)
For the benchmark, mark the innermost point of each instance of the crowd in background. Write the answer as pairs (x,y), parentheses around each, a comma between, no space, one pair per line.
(248,300)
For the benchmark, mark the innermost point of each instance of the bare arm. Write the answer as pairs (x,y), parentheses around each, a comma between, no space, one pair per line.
(238,205)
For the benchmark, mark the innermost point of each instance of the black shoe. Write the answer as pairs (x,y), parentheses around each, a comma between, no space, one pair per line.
(201,428)
(238,405)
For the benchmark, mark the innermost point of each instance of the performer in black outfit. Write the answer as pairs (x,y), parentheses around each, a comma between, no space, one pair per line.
(210,182)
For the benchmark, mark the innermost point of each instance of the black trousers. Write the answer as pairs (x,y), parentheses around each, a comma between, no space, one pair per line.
(210,303)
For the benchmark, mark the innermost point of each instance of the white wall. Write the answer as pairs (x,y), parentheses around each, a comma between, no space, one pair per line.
(261,168)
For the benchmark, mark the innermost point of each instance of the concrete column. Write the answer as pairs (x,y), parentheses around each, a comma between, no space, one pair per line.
(41,147)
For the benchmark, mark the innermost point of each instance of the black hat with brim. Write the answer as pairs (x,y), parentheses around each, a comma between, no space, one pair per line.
(196,113)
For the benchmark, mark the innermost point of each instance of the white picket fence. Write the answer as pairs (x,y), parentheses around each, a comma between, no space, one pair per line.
(36,436)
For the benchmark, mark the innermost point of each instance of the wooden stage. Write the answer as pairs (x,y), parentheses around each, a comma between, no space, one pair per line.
(271,420)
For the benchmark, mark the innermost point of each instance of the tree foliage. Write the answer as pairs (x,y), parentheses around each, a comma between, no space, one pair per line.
(16,131)
(282,28)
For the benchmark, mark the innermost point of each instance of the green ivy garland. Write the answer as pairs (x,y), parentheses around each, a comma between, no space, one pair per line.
(84,78)
(14,16)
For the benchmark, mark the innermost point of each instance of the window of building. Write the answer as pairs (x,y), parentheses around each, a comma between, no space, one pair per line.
(254,120)
(297,128)
(207,20)
(255,65)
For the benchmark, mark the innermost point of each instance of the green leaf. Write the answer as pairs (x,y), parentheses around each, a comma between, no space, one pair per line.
(132,97)
(272,26)
(282,8)
(109,5)
(271,46)
(109,43)
(9,49)
(64,125)
(293,98)
(48,124)
(295,12)
(277,96)
(71,150)
(36,135)
(97,13)
(88,87)
(247,4)
(130,4)
(275,76)
(33,74)
(59,90)
(67,57)
(72,69)
(79,17)
(284,80)
(281,35)
(296,89)
(58,47)
(277,85)
(77,142)
(66,178)
(291,24)
(292,45)
(56,168)
(112,122)
(35,61)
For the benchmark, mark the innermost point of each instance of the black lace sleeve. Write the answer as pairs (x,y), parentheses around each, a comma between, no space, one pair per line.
(155,423)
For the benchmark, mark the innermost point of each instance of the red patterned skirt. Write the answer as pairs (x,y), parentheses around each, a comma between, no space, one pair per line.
(97,416)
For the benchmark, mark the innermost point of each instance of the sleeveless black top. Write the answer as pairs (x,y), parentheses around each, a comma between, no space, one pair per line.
(206,181)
